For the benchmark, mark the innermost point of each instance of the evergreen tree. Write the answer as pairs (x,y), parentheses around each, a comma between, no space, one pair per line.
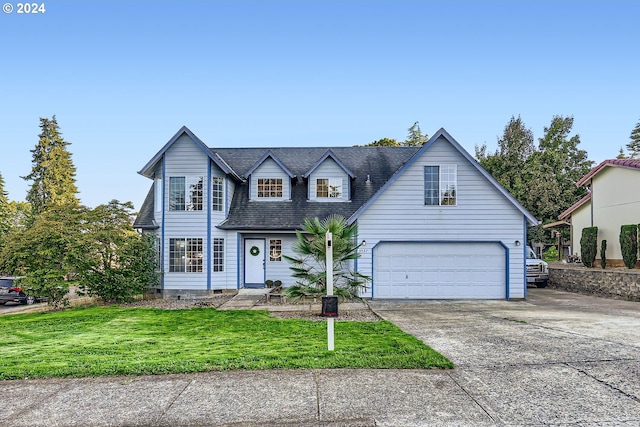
(52,172)
(509,164)
(621,154)
(633,147)
(5,213)
(415,137)
(556,167)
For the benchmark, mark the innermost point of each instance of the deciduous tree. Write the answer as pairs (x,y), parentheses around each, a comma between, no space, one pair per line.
(119,263)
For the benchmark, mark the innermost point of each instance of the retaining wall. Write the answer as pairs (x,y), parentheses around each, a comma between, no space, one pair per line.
(616,283)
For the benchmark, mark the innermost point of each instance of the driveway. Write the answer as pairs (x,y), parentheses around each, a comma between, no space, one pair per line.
(556,358)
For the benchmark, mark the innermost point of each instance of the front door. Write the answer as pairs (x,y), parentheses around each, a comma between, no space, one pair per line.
(254,262)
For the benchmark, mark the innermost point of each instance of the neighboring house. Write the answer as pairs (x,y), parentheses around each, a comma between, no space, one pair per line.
(435,223)
(613,200)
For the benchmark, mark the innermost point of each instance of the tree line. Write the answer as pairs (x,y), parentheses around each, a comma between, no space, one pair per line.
(54,242)
(543,177)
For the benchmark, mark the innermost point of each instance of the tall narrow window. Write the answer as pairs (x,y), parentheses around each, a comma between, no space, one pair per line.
(158,195)
(185,255)
(186,193)
(440,185)
(275,250)
(270,187)
(217,194)
(217,261)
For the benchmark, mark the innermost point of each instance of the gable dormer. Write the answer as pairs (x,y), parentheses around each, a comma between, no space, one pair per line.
(329,180)
(269,179)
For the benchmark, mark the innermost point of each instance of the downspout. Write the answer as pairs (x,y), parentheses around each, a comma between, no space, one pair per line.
(162,266)
(209,226)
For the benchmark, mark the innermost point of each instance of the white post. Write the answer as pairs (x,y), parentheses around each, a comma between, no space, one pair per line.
(329,270)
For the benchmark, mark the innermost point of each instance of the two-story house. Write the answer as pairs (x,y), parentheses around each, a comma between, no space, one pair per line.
(435,224)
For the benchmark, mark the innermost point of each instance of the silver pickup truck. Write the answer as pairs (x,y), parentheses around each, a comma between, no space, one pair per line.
(537,270)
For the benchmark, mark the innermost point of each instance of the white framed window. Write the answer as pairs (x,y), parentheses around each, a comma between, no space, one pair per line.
(217,194)
(217,254)
(270,187)
(440,185)
(328,188)
(185,255)
(186,193)
(275,250)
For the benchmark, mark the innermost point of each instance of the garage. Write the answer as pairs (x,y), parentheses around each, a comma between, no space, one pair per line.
(439,270)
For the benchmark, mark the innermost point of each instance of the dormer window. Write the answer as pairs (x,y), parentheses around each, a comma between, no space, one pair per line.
(329,187)
(269,188)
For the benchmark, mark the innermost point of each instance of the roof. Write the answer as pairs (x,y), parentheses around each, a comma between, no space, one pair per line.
(149,168)
(623,163)
(378,163)
(370,169)
(575,206)
(144,220)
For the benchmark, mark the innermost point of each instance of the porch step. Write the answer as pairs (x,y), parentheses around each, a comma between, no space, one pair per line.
(245,299)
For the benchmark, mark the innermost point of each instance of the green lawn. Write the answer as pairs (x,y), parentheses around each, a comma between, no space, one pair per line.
(96,341)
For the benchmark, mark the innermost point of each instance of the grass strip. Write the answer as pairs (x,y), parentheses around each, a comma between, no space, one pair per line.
(99,341)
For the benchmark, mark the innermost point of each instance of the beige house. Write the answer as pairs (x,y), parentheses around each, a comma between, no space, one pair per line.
(613,201)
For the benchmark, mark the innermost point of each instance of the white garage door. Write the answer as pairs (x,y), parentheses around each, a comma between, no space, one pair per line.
(439,270)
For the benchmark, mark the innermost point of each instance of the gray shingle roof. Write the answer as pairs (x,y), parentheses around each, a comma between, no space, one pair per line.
(378,163)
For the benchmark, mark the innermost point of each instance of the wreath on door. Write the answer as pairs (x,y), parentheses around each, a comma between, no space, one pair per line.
(255,251)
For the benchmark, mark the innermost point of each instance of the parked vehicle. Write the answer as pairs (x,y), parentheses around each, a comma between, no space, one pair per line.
(10,291)
(537,270)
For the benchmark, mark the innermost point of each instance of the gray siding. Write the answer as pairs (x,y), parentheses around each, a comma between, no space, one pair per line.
(270,169)
(329,169)
(482,214)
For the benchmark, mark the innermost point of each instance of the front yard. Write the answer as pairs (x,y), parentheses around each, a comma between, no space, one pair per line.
(98,341)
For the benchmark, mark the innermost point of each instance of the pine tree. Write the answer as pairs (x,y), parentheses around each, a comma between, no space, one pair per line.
(621,154)
(52,172)
(633,147)
(5,212)
(415,137)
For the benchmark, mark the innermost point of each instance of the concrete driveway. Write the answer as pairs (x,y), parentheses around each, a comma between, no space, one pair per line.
(555,359)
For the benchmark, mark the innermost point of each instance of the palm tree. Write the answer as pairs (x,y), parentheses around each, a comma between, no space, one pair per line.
(309,267)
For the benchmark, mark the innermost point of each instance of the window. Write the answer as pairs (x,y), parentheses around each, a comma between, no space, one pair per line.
(440,185)
(217,262)
(185,193)
(275,250)
(158,195)
(269,187)
(217,194)
(185,255)
(331,188)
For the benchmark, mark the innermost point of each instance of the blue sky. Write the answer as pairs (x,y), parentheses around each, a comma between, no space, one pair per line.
(123,77)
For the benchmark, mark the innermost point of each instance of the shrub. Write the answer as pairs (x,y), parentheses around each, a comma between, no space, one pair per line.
(629,244)
(603,254)
(589,245)
(550,255)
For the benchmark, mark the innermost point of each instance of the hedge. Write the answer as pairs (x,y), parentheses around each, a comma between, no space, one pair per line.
(589,245)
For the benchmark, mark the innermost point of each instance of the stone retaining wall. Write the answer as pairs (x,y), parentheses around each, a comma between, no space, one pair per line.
(615,283)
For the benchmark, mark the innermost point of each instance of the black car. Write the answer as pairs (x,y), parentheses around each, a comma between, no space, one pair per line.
(10,292)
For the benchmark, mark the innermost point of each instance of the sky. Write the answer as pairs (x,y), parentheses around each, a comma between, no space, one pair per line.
(122,77)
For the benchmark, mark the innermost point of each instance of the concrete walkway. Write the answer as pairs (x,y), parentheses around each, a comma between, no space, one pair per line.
(245,299)
(556,359)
